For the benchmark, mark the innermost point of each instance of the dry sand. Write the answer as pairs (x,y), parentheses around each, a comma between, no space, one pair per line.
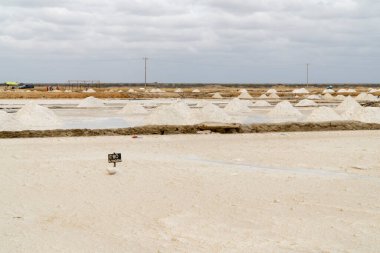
(273,192)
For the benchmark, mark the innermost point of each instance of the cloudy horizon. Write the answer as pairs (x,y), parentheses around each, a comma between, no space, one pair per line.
(190,41)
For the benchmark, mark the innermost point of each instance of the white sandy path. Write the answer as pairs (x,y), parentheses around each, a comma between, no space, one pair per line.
(191,193)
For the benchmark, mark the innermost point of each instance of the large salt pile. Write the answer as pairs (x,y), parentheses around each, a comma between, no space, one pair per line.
(261,103)
(340,97)
(91,102)
(366,97)
(33,116)
(212,113)
(217,95)
(300,91)
(196,91)
(179,90)
(273,95)
(284,109)
(133,108)
(328,91)
(237,106)
(322,114)
(314,97)
(306,102)
(270,91)
(263,96)
(174,114)
(367,115)
(328,96)
(244,95)
(348,104)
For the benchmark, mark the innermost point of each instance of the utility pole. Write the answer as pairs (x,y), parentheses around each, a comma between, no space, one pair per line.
(307,74)
(145,60)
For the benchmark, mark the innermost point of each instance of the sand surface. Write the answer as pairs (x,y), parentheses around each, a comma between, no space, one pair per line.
(274,192)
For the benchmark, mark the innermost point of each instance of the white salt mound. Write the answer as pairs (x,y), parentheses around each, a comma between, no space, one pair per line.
(328,96)
(263,96)
(238,106)
(367,115)
(371,90)
(348,104)
(212,113)
(55,91)
(261,103)
(175,114)
(328,91)
(284,109)
(244,95)
(3,116)
(300,91)
(243,91)
(33,116)
(366,97)
(91,102)
(131,90)
(196,91)
(68,90)
(273,95)
(179,90)
(351,90)
(340,97)
(306,102)
(133,108)
(271,91)
(322,114)
(314,97)
(89,91)
(342,91)
(217,95)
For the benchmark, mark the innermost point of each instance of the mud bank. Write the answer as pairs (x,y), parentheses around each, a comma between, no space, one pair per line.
(194,129)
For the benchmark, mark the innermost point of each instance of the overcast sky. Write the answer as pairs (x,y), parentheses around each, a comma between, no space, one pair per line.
(249,41)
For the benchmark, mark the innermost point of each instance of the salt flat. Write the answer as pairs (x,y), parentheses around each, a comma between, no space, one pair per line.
(274,192)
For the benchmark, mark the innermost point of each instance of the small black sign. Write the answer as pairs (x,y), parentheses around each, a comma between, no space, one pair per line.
(114,158)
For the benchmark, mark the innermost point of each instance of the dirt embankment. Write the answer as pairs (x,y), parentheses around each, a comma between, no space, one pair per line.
(194,129)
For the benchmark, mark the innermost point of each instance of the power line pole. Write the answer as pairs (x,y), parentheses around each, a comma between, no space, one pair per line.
(145,60)
(307,74)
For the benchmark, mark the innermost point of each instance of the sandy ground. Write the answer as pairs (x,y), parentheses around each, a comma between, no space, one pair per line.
(277,192)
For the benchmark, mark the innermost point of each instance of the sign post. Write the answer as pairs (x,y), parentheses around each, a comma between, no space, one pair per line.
(114,158)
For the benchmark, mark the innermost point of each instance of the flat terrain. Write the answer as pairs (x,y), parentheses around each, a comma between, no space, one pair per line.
(273,192)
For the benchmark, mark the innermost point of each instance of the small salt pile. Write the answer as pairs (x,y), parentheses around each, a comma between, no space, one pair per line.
(273,95)
(263,96)
(322,114)
(91,102)
(284,109)
(55,91)
(217,95)
(133,108)
(245,95)
(328,91)
(179,90)
(300,91)
(342,91)
(366,97)
(306,102)
(314,97)
(90,91)
(351,90)
(372,90)
(33,116)
(68,91)
(196,91)
(328,96)
(237,106)
(271,91)
(340,97)
(174,114)
(131,91)
(348,104)
(120,91)
(261,103)
(212,113)
(243,91)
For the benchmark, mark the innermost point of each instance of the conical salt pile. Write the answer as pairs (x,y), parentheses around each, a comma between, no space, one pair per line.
(326,91)
(175,114)
(314,97)
(261,103)
(212,113)
(367,115)
(273,95)
(217,95)
(33,116)
(91,102)
(237,106)
(328,96)
(90,91)
(244,95)
(306,102)
(351,90)
(300,91)
(348,104)
(340,97)
(284,109)
(366,97)
(196,91)
(133,108)
(371,90)
(342,91)
(263,96)
(131,90)
(179,90)
(271,91)
(243,91)
(322,114)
